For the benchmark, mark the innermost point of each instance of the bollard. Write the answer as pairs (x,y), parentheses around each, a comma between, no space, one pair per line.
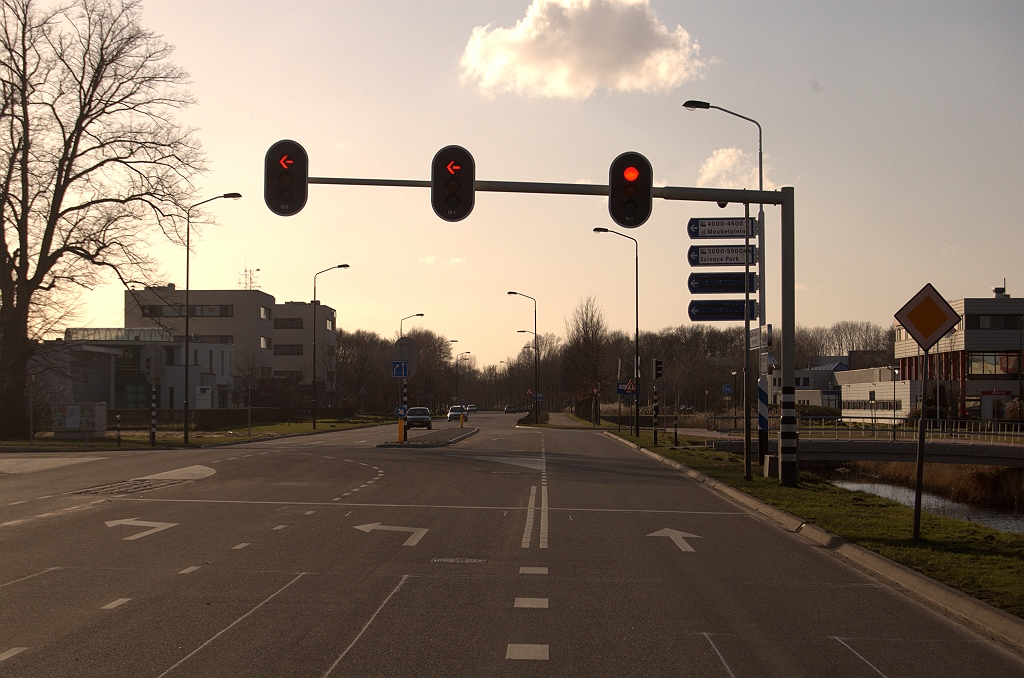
(401,430)
(462,420)
(119,430)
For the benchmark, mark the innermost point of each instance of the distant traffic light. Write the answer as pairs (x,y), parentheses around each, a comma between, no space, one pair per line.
(629,190)
(657,369)
(453,183)
(285,177)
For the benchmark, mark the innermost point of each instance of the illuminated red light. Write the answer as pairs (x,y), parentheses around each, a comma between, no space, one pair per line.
(631,173)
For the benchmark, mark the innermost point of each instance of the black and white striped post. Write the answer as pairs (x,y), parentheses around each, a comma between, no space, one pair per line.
(152,415)
(788,443)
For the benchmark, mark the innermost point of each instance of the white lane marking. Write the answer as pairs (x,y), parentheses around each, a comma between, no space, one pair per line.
(376,468)
(349,460)
(362,464)
(363,485)
(533,570)
(226,628)
(119,601)
(354,489)
(308,454)
(240,546)
(539,652)
(309,513)
(15,581)
(532,602)
(327,457)
(262,452)
(336,499)
(45,496)
(15,503)
(11,522)
(280,527)
(346,494)
(528,532)
(189,569)
(348,514)
(215,461)
(677,537)
(356,639)
(10,653)
(840,641)
(246,455)
(44,515)
(232,458)
(417,532)
(544,517)
(140,523)
(720,657)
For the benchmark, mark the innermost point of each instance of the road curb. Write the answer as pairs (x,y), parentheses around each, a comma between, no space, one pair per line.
(1001,625)
(424,446)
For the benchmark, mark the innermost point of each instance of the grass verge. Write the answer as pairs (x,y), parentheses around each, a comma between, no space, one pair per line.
(979,561)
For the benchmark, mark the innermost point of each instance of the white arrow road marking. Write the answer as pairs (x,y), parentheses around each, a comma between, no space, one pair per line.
(417,532)
(141,523)
(677,537)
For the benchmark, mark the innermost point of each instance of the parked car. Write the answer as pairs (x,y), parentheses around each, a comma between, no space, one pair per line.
(455,411)
(471,408)
(510,409)
(418,416)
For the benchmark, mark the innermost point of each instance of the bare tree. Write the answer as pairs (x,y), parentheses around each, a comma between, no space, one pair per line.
(91,160)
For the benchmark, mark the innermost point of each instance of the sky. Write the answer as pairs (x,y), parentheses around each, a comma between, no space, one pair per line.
(900,126)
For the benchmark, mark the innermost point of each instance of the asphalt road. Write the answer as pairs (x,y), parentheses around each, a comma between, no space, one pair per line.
(516,552)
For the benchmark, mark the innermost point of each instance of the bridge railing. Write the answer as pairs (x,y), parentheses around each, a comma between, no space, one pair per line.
(990,431)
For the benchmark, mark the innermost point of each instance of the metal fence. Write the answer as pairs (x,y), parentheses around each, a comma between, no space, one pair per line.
(991,431)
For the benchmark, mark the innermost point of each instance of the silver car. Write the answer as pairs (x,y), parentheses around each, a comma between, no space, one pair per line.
(418,416)
(455,411)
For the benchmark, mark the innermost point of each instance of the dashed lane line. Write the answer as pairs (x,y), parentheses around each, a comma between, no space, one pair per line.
(533,570)
(7,654)
(229,626)
(15,503)
(189,569)
(116,603)
(543,517)
(528,531)
(536,652)
(280,527)
(539,603)
(309,513)
(336,499)
(240,546)
(15,581)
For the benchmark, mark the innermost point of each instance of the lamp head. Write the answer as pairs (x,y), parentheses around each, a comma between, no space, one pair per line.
(418,315)
(233,196)
(600,229)
(693,105)
(342,265)
(513,292)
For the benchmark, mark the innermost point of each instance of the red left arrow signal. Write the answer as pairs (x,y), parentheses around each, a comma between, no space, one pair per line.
(453,168)
(286,161)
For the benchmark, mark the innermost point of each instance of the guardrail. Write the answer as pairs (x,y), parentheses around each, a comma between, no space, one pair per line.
(991,432)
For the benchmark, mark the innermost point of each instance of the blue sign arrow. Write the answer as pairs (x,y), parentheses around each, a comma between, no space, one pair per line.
(719,283)
(400,369)
(719,310)
(400,411)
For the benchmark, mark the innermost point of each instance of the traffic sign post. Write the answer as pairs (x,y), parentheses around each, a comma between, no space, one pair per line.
(400,369)
(721,283)
(927,318)
(721,255)
(719,310)
(699,229)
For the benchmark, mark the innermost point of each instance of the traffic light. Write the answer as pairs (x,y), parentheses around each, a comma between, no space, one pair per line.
(657,369)
(453,183)
(285,178)
(629,189)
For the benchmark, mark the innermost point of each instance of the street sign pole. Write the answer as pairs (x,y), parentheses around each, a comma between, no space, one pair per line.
(788,450)
(919,480)
(746,351)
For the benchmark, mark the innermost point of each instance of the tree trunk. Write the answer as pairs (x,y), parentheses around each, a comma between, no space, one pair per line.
(15,351)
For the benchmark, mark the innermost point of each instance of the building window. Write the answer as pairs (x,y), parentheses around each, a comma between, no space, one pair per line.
(265,342)
(287,323)
(288,374)
(265,313)
(993,365)
(213,338)
(330,324)
(288,349)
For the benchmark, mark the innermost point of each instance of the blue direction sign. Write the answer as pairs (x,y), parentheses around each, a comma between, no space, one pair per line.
(727,390)
(720,255)
(400,411)
(720,228)
(719,309)
(629,388)
(400,369)
(719,283)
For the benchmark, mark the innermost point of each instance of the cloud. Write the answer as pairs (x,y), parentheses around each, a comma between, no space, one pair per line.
(455,261)
(732,168)
(428,260)
(569,48)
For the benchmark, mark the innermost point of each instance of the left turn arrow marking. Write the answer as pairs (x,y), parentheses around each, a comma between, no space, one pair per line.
(140,523)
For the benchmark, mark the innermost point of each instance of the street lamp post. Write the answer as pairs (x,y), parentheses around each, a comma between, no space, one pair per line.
(762,438)
(895,374)
(401,333)
(734,397)
(188,262)
(315,330)
(403,397)
(636,346)
(536,359)
(457,359)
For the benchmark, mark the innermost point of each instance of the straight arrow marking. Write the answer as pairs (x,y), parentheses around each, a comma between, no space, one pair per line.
(417,532)
(677,537)
(140,523)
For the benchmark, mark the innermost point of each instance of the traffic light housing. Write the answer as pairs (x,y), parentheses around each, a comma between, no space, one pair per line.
(285,178)
(657,369)
(453,183)
(630,180)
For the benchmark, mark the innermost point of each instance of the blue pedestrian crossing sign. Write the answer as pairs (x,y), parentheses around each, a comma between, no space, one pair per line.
(400,369)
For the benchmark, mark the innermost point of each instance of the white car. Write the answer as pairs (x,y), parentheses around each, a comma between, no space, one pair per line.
(455,411)
(418,416)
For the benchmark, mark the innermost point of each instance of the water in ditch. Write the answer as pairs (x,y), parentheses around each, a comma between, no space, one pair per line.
(998,520)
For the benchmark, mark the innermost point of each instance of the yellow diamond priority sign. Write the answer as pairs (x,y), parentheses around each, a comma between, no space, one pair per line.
(927,317)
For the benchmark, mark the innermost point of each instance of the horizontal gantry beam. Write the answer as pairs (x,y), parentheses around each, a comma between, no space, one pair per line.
(665,192)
